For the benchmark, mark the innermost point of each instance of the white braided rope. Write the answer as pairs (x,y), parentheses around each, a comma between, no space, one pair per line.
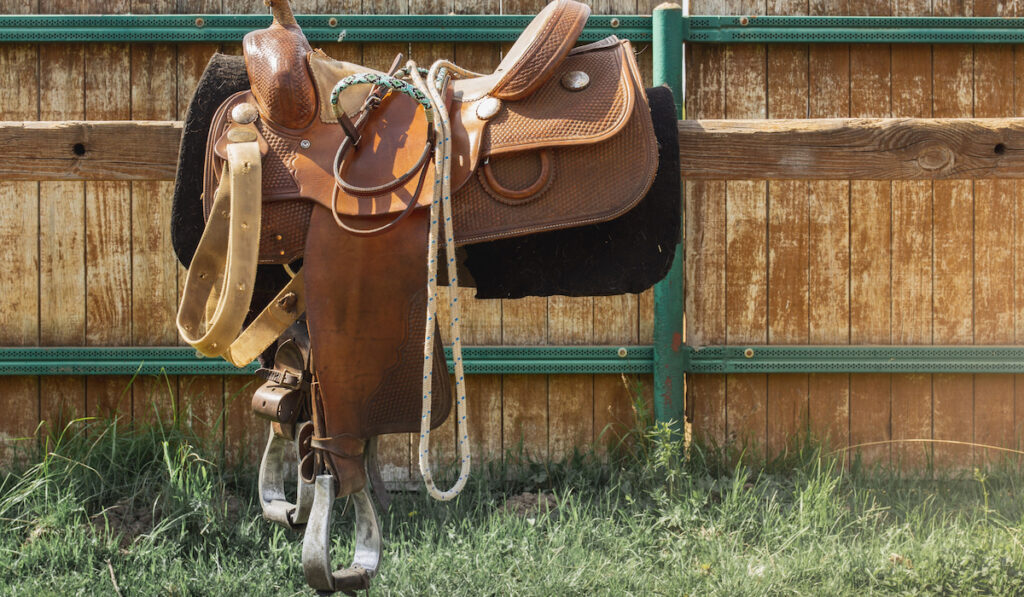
(441,205)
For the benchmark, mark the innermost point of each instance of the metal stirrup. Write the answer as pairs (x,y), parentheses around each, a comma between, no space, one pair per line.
(316,544)
(275,470)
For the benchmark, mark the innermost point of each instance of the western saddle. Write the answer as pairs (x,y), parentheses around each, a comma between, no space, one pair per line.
(327,162)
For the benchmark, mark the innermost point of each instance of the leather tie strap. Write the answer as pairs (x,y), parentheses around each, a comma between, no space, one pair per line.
(220,280)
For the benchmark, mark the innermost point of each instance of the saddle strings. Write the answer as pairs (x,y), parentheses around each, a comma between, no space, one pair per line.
(441,206)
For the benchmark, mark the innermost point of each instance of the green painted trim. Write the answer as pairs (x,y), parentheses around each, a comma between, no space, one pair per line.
(856,359)
(152,360)
(669,353)
(506,28)
(547,360)
(819,29)
(354,28)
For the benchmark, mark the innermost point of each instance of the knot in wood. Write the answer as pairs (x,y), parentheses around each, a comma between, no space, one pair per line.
(935,157)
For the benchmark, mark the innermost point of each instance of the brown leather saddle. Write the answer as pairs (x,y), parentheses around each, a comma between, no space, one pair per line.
(370,179)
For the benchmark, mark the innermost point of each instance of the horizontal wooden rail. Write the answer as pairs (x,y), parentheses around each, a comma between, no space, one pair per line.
(89,150)
(829,149)
(852,148)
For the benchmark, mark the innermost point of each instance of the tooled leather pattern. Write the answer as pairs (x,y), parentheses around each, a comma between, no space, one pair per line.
(275,59)
(284,223)
(554,113)
(592,182)
(395,406)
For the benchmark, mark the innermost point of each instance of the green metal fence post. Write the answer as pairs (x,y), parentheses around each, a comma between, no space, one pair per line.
(667,34)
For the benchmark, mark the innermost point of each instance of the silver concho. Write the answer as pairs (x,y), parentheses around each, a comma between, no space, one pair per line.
(244,113)
(488,108)
(575,80)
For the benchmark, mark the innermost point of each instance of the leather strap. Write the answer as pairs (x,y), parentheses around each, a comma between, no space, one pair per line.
(219,284)
(220,280)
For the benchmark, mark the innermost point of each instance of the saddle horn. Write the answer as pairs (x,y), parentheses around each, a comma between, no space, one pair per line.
(282,11)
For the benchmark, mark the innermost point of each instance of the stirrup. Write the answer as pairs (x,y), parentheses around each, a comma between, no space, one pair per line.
(275,470)
(316,544)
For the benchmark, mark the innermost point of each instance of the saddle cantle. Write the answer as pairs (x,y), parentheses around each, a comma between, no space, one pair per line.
(321,162)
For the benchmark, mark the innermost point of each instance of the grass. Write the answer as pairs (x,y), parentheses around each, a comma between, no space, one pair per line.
(153,512)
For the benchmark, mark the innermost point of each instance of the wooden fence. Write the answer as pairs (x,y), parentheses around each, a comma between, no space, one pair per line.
(909,251)
(90,263)
(862,261)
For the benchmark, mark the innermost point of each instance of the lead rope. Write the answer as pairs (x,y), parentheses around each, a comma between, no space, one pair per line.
(442,205)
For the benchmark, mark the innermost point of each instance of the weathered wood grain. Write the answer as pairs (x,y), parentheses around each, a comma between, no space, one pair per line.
(993,255)
(856,149)
(746,250)
(912,261)
(704,239)
(786,411)
(154,266)
(108,246)
(829,247)
(710,149)
(128,150)
(61,238)
(870,262)
(19,269)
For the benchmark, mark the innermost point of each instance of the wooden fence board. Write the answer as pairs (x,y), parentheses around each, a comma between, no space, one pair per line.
(62,237)
(108,246)
(911,246)
(746,244)
(705,238)
(829,245)
(993,254)
(788,258)
(19,269)
(953,265)
(870,261)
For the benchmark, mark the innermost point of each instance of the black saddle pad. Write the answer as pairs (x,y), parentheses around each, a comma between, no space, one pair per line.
(628,254)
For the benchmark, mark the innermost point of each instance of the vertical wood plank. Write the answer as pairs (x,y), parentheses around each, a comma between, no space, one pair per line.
(108,246)
(953,262)
(829,246)
(786,414)
(912,258)
(62,229)
(746,244)
(1018,258)
(705,247)
(870,259)
(19,270)
(154,267)
(570,397)
(993,250)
